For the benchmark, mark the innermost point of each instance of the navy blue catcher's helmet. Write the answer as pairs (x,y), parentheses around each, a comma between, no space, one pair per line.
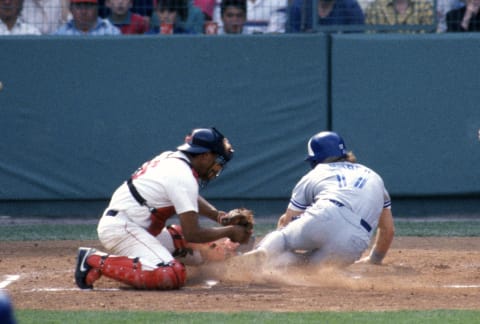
(203,140)
(325,145)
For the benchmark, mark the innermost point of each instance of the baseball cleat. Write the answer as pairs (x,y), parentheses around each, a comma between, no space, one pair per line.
(82,269)
(255,257)
(250,261)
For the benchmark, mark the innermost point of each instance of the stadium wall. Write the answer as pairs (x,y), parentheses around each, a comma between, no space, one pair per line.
(79,115)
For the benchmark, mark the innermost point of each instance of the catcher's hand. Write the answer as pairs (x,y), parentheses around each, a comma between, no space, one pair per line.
(239,216)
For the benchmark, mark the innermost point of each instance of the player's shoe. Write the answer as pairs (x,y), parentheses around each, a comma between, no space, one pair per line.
(251,261)
(82,269)
(255,258)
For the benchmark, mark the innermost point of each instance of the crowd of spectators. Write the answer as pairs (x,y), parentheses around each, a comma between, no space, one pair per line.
(230,17)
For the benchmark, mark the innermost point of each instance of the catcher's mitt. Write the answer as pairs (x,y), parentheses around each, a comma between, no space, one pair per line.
(239,216)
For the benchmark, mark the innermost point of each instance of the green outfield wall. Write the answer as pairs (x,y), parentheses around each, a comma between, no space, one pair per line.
(79,115)
(410,107)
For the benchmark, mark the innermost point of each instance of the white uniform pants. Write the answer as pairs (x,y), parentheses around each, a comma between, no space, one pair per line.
(123,237)
(328,233)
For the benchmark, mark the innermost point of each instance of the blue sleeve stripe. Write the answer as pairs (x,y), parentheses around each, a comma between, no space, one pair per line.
(298,205)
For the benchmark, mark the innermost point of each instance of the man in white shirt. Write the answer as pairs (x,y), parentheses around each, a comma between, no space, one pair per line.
(46,15)
(11,23)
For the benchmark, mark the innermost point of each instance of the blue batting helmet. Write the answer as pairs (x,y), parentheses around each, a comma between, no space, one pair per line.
(203,140)
(325,145)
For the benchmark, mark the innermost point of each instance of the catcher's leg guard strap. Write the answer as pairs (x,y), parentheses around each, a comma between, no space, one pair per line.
(179,242)
(129,271)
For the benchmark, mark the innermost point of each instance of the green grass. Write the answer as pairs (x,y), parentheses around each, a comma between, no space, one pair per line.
(48,232)
(438,228)
(88,231)
(435,316)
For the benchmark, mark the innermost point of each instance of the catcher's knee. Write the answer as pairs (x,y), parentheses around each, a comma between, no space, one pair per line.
(165,277)
(171,276)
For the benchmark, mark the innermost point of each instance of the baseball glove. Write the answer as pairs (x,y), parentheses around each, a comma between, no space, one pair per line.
(239,216)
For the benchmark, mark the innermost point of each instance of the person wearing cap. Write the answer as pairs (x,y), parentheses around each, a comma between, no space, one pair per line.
(333,212)
(145,253)
(86,21)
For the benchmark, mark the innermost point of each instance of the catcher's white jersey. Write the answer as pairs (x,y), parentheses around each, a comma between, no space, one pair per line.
(168,184)
(354,185)
(165,181)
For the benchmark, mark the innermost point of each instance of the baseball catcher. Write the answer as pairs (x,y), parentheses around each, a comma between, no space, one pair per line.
(140,250)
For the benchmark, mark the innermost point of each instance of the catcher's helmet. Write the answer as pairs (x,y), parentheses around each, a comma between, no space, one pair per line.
(203,140)
(325,145)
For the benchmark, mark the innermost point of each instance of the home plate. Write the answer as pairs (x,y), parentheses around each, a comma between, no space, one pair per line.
(210,283)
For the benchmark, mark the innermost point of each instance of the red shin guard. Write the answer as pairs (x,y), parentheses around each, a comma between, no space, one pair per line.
(129,271)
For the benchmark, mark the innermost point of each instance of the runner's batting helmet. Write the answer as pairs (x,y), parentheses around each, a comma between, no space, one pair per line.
(325,145)
(203,140)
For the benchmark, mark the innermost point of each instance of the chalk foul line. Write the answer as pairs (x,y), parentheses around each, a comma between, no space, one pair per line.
(8,279)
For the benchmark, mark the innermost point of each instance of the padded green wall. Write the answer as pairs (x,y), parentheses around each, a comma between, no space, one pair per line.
(79,115)
(409,107)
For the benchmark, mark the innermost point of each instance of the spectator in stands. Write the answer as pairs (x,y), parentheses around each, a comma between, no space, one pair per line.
(207,7)
(444,6)
(143,8)
(464,19)
(195,19)
(263,16)
(184,17)
(10,21)
(127,21)
(401,13)
(85,21)
(234,15)
(329,13)
(46,15)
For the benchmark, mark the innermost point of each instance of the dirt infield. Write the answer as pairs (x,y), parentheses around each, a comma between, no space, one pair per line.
(419,273)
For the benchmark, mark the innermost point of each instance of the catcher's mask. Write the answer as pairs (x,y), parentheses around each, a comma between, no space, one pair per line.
(202,140)
(325,145)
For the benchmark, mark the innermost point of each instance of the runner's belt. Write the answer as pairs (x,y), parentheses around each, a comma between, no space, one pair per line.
(363,222)
(111,212)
